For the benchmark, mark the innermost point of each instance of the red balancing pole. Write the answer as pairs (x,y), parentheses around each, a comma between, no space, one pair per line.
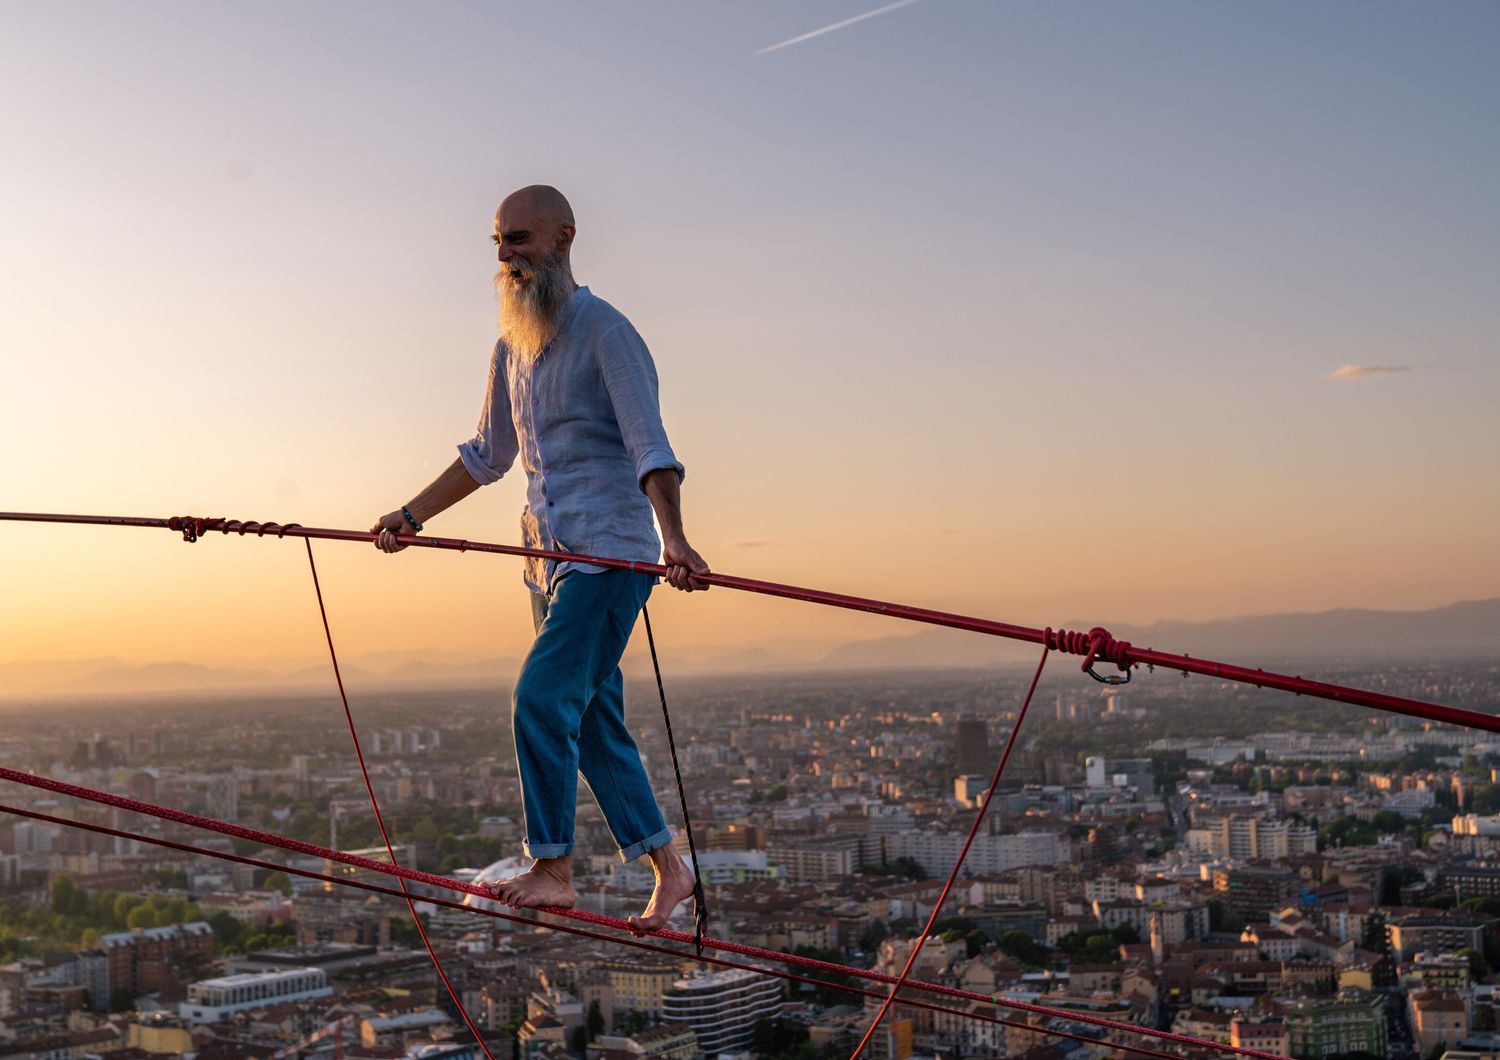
(1097,644)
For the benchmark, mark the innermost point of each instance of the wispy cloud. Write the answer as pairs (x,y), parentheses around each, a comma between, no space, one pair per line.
(751,544)
(832,27)
(1347,372)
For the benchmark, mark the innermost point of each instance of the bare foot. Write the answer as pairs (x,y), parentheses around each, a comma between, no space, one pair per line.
(548,883)
(674,884)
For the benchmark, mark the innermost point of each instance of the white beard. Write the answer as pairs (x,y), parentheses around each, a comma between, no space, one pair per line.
(530,314)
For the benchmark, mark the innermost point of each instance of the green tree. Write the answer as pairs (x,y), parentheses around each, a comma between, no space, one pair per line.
(404,932)
(1479,968)
(1350,832)
(278,881)
(124,903)
(595,1020)
(1223,919)
(142,916)
(1486,801)
(63,893)
(227,930)
(1020,945)
(269,937)
(1102,948)
(172,878)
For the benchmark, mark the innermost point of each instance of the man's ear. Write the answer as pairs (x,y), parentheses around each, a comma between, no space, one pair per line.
(565,235)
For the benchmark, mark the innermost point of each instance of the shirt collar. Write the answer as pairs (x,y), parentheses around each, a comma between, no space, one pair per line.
(581,295)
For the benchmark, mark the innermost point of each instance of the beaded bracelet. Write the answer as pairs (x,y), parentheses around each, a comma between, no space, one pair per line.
(406,513)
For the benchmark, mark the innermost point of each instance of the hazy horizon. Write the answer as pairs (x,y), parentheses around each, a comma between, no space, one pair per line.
(1443,635)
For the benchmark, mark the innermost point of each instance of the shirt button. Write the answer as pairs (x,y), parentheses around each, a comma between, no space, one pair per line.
(549,504)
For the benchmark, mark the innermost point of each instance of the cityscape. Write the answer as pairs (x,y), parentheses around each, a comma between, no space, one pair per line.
(1175,318)
(1232,864)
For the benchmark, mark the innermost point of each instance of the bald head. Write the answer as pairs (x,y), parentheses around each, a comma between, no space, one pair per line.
(539,200)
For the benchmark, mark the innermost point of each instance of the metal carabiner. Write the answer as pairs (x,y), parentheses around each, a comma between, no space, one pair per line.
(1109,679)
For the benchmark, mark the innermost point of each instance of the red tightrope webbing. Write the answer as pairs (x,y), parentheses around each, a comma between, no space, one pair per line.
(380,817)
(444,883)
(1096,644)
(937,906)
(584,932)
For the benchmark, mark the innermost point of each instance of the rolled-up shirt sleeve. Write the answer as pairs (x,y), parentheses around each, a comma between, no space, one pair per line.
(491,452)
(630,377)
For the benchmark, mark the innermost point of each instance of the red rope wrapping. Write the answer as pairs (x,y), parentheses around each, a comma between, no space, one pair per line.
(193,528)
(299,846)
(1095,644)
(572,930)
(1121,652)
(937,907)
(380,817)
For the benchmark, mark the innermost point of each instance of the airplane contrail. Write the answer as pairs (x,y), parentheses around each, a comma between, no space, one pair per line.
(836,26)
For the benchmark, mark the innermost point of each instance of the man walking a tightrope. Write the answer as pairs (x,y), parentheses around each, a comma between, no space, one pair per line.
(573,393)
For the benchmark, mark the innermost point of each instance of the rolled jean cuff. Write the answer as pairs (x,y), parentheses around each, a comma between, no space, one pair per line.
(651,842)
(546,850)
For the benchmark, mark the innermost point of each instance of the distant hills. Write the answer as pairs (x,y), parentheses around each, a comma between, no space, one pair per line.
(1467,630)
(114,677)
(1470,629)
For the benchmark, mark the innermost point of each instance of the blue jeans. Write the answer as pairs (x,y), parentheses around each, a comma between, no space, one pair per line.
(568,715)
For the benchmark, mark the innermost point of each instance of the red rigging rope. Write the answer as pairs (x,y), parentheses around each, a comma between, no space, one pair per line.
(638,943)
(722,945)
(937,906)
(380,817)
(444,883)
(1096,645)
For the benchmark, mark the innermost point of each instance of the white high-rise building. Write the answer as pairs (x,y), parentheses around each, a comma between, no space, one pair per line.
(1244,836)
(937,851)
(722,1007)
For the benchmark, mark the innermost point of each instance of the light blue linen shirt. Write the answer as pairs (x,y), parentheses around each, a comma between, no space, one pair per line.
(585,419)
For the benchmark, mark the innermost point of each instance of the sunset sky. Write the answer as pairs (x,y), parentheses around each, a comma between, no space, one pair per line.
(1046,311)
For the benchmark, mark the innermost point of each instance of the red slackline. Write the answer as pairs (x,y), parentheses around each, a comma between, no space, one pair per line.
(724,945)
(572,930)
